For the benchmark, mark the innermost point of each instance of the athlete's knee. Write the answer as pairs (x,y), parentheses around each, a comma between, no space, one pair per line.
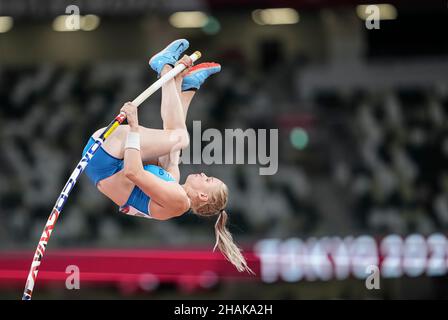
(180,137)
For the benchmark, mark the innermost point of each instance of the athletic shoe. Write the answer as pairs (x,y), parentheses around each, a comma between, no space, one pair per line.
(169,55)
(197,75)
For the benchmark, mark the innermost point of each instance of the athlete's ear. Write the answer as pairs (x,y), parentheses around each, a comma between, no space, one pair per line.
(203,196)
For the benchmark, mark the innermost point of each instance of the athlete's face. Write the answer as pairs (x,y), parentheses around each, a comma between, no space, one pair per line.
(202,183)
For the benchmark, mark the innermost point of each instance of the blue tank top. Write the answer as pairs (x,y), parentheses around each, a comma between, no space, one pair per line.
(138,202)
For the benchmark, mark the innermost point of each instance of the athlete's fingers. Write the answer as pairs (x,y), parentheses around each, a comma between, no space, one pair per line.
(185,60)
(129,108)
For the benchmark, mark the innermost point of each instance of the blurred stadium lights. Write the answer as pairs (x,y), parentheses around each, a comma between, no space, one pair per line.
(212,26)
(88,22)
(208,279)
(195,19)
(275,16)
(387,11)
(148,282)
(299,138)
(6,24)
(59,24)
(188,19)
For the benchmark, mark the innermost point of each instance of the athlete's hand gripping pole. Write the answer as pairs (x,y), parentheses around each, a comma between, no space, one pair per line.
(57,209)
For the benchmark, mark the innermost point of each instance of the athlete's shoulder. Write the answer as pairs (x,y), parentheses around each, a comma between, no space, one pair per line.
(159,212)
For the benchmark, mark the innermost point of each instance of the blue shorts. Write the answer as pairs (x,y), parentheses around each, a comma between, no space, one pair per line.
(103,165)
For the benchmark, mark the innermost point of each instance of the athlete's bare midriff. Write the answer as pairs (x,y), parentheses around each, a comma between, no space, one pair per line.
(118,188)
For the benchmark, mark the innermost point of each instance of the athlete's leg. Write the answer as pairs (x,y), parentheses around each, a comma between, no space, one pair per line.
(188,83)
(171,108)
(173,116)
(185,96)
(154,143)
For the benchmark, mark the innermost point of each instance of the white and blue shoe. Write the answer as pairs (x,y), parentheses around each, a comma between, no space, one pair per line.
(169,55)
(198,74)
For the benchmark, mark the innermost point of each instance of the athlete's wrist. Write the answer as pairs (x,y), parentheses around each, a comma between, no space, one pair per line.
(132,140)
(134,128)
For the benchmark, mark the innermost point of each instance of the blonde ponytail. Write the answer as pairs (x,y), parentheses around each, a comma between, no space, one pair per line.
(224,241)
(229,249)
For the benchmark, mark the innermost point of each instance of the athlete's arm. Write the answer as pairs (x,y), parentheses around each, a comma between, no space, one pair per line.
(170,165)
(168,195)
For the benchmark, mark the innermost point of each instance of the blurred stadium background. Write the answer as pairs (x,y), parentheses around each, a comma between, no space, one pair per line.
(363,147)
